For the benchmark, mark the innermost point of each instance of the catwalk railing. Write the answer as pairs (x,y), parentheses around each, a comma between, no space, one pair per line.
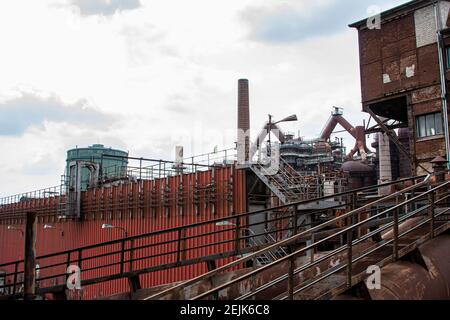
(54,200)
(182,246)
(427,213)
(149,169)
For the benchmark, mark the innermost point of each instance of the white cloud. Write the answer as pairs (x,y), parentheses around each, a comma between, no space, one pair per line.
(31,109)
(105,7)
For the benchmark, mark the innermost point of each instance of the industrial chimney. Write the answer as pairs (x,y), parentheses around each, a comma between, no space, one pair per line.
(243,121)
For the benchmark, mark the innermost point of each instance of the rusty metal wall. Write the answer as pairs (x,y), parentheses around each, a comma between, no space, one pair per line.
(139,207)
(407,280)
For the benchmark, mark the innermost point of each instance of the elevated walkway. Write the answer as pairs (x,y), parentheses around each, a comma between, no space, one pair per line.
(402,227)
(215,243)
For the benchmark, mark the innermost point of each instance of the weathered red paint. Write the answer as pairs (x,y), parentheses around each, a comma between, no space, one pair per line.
(139,207)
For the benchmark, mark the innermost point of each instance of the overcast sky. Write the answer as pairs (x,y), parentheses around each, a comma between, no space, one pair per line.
(147,75)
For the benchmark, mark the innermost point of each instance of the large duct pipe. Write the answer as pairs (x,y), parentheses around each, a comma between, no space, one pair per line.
(333,122)
(360,146)
(243,119)
(329,128)
(357,132)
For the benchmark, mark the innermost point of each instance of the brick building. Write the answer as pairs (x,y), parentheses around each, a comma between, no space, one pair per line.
(404,54)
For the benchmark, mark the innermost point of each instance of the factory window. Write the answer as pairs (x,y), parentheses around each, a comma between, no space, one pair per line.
(429,125)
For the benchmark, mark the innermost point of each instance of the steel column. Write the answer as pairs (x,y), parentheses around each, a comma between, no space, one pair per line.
(30,257)
(349,257)
(395,243)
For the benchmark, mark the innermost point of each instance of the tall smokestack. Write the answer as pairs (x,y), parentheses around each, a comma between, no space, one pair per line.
(244,119)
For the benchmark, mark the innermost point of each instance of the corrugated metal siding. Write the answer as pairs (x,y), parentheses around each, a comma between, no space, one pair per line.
(139,207)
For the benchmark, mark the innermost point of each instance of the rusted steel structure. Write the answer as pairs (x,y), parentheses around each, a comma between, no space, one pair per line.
(342,269)
(30,257)
(357,132)
(405,60)
(139,207)
(164,257)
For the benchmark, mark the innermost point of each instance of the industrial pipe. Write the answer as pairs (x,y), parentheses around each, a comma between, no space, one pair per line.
(443,80)
(358,133)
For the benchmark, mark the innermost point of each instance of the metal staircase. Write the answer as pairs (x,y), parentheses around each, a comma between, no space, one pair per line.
(266,239)
(385,236)
(274,256)
(287,184)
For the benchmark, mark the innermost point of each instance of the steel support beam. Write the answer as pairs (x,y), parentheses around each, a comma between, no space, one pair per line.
(393,137)
(30,257)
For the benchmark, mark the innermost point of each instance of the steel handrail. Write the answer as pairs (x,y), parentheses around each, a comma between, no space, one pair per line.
(191,226)
(293,255)
(238,216)
(284,242)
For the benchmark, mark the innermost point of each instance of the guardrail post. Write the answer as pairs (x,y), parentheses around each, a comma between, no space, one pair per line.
(179,246)
(291,282)
(122,256)
(16,271)
(349,257)
(354,200)
(295,222)
(395,244)
(238,235)
(30,257)
(131,254)
(67,265)
(413,204)
(431,202)
(80,258)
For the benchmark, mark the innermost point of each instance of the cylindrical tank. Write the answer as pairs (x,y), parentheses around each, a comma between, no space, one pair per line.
(360,174)
(98,154)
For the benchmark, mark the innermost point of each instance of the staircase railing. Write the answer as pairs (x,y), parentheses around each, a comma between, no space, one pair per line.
(184,245)
(288,185)
(435,196)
